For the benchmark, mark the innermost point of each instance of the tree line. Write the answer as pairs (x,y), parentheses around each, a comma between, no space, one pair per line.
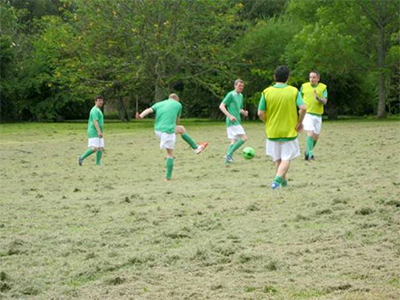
(56,55)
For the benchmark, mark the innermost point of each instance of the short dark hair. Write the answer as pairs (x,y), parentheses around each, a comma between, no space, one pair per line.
(316,72)
(98,97)
(281,74)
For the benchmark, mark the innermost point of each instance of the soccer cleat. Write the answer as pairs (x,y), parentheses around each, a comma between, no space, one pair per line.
(228,158)
(274,185)
(305,155)
(311,158)
(201,147)
(80,161)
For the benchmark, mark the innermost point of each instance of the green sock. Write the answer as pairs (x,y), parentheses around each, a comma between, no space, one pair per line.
(170,165)
(235,146)
(310,145)
(314,143)
(87,153)
(278,179)
(284,183)
(99,154)
(229,148)
(189,140)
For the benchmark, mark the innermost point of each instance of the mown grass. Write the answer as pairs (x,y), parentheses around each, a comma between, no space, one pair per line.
(119,232)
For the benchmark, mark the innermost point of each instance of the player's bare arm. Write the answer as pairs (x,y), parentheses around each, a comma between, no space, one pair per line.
(261,115)
(96,124)
(320,99)
(222,107)
(144,113)
(302,113)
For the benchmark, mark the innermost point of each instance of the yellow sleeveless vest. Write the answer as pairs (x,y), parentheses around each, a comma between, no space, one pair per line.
(313,106)
(281,117)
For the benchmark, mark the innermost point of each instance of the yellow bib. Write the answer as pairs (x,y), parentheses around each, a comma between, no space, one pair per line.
(281,117)
(313,106)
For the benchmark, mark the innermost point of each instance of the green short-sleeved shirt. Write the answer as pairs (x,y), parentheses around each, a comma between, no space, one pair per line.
(262,105)
(95,114)
(166,111)
(234,103)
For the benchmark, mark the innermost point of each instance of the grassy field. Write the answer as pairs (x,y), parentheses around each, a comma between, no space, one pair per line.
(119,232)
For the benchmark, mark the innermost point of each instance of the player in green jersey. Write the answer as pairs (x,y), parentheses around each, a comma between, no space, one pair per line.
(232,107)
(278,110)
(166,127)
(315,95)
(95,132)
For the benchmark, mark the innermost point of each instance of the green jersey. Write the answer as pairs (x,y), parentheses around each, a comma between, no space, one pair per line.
(95,115)
(166,112)
(234,103)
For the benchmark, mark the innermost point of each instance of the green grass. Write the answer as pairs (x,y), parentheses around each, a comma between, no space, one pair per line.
(119,232)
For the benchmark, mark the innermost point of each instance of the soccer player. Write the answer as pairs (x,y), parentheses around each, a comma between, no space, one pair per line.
(166,126)
(315,95)
(95,132)
(232,107)
(278,110)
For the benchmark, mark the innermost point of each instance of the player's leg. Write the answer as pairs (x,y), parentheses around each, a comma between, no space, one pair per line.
(240,141)
(99,153)
(169,164)
(310,144)
(198,148)
(273,149)
(308,126)
(283,153)
(316,132)
(93,145)
(239,136)
(167,142)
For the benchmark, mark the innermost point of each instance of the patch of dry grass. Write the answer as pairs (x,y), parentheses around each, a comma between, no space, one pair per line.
(119,232)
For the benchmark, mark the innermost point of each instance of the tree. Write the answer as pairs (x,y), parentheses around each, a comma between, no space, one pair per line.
(384,18)
(339,39)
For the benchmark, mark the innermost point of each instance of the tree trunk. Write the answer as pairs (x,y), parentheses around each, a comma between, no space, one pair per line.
(332,110)
(123,112)
(381,113)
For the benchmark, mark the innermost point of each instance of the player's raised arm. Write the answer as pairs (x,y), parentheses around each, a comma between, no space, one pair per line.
(144,113)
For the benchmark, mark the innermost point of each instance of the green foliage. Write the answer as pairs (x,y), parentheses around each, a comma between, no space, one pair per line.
(56,55)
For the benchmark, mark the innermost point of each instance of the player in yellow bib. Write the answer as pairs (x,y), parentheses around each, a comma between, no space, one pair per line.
(315,95)
(278,110)
(95,132)
(166,127)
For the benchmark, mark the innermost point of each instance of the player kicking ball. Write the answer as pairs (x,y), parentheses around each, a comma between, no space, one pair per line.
(166,127)
(95,132)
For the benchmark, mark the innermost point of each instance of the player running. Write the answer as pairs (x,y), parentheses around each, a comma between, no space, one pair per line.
(315,95)
(278,110)
(232,107)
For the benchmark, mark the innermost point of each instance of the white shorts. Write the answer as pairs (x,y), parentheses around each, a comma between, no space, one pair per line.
(96,142)
(235,131)
(312,123)
(167,140)
(283,150)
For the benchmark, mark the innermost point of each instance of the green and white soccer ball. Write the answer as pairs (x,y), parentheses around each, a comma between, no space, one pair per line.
(248,153)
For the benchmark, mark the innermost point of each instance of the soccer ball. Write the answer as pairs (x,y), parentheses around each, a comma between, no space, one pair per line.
(248,153)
